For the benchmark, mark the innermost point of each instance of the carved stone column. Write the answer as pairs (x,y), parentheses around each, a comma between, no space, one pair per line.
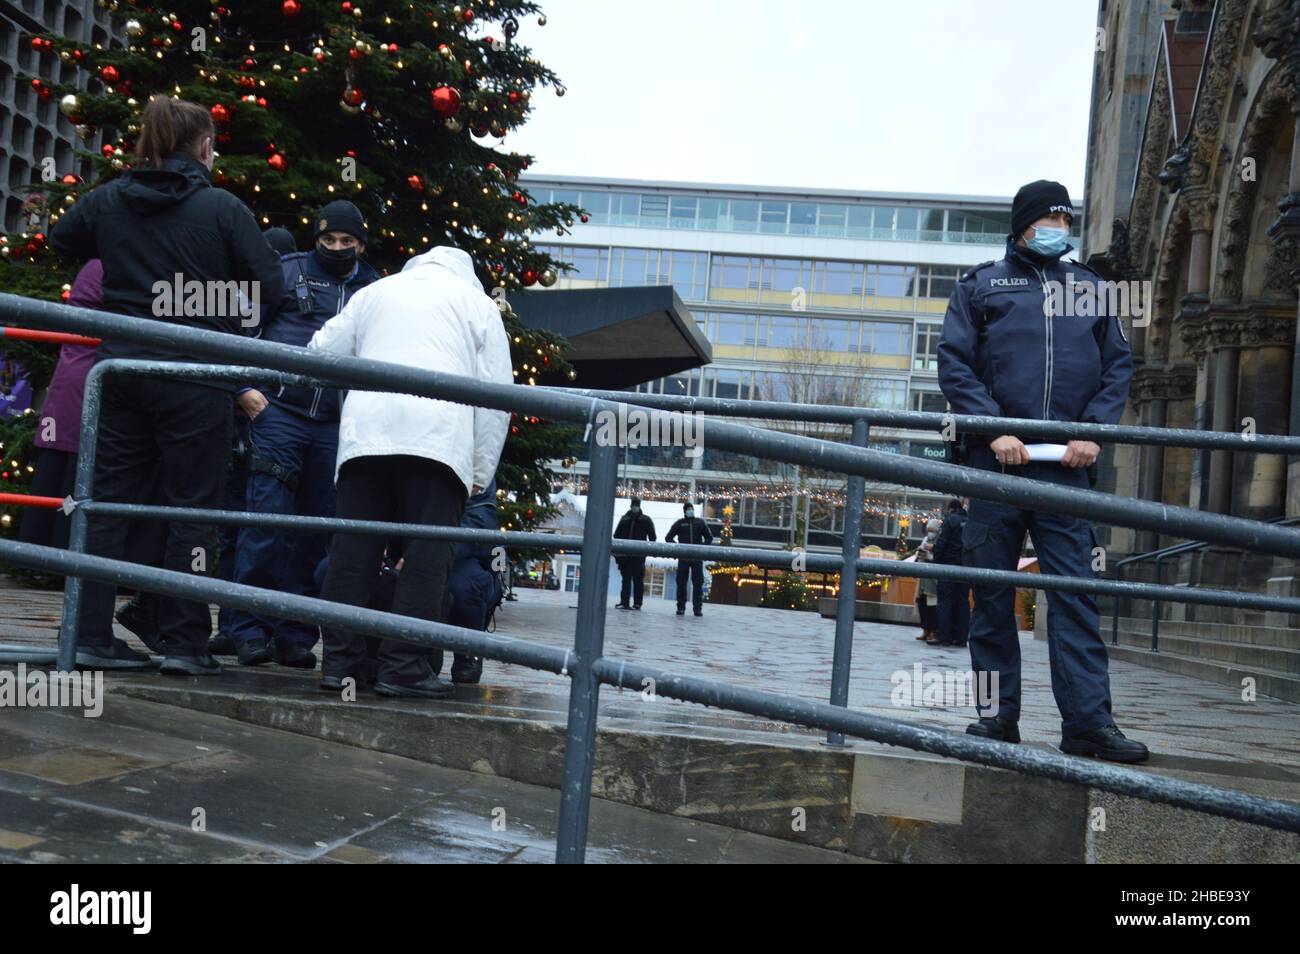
(1151,393)
(1278,35)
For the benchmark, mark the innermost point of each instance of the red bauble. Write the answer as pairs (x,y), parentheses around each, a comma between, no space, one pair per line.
(65,295)
(36,84)
(445,100)
(355,54)
(347,7)
(77,55)
(392,48)
(352,153)
(583,216)
(38,239)
(70,179)
(109,74)
(513,96)
(353,96)
(277,162)
(291,8)
(529,276)
(261,101)
(415,182)
(220,113)
(108,150)
(37,44)
(247,82)
(468,16)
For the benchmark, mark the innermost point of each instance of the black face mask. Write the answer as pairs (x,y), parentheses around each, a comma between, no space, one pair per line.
(338,262)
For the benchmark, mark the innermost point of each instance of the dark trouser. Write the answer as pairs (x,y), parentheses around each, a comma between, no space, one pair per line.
(694,570)
(185,428)
(632,570)
(992,538)
(228,536)
(925,607)
(56,475)
(399,489)
(954,612)
(270,557)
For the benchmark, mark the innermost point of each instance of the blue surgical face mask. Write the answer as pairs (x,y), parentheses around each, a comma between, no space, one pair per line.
(1049,241)
(690,513)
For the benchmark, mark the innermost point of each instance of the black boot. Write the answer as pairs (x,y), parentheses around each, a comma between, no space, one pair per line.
(466,670)
(139,617)
(999,729)
(1107,743)
(222,645)
(116,655)
(254,652)
(430,687)
(297,657)
(201,664)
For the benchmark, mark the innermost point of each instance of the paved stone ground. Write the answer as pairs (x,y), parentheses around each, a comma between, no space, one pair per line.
(124,788)
(1179,717)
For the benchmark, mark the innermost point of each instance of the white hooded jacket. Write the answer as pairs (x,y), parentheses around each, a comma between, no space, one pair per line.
(433,314)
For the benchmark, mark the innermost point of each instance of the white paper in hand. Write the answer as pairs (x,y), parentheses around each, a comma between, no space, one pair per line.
(1052,452)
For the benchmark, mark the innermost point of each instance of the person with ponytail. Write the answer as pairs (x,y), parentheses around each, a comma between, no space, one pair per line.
(159,228)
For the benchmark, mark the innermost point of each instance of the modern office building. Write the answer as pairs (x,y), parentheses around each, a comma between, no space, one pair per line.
(804,295)
(31,128)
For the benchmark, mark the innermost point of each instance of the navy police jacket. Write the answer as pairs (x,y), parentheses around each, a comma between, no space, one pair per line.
(305,277)
(1003,353)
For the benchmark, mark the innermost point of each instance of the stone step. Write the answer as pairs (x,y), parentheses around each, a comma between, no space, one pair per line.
(1245,655)
(873,801)
(1276,637)
(1268,682)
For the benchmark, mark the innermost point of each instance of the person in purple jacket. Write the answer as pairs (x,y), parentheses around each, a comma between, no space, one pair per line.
(59,428)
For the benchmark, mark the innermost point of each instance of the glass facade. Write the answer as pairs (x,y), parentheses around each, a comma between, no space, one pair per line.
(819,219)
(787,328)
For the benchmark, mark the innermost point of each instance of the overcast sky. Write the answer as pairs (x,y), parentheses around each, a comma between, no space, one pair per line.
(957,96)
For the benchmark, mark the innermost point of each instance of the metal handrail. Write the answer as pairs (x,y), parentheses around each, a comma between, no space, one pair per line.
(1158,556)
(584,663)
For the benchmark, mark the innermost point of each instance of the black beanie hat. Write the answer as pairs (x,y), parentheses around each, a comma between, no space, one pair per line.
(340,216)
(1036,200)
(636,501)
(281,240)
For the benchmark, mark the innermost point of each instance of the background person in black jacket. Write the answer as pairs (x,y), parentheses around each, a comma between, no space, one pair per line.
(157,225)
(954,597)
(634,525)
(690,529)
(293,443)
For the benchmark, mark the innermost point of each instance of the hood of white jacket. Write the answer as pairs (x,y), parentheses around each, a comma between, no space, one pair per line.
(455,260)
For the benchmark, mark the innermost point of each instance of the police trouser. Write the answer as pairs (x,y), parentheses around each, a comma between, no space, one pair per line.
(954,611)
(693,570)
(290,471)
(992,538)
(632,570)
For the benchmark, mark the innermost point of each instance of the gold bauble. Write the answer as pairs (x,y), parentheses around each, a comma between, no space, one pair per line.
(69,105)
(133,28)
(547,278)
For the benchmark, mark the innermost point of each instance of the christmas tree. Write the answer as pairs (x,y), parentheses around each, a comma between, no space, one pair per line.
(401,107)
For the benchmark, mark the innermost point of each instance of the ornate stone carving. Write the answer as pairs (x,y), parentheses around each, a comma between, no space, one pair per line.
(1174,383)
(1272,101)
(1155,147)
(1217,76)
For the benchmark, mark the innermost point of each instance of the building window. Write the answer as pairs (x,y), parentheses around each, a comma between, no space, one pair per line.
(572,578)
(929,401)
(927,347)
(732,329)
(880,337)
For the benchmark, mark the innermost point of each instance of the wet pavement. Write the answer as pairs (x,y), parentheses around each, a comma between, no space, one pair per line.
(1185,719)
(152,783)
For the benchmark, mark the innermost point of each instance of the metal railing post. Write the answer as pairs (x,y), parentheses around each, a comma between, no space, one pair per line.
(69,626)
(846,605)
(588,644)
(1115,604)
(1155,614)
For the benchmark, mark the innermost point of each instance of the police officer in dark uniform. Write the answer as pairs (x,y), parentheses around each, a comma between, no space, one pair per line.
(293,441)
(690,529)
(634,525)
(1013,346)
(954,596)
